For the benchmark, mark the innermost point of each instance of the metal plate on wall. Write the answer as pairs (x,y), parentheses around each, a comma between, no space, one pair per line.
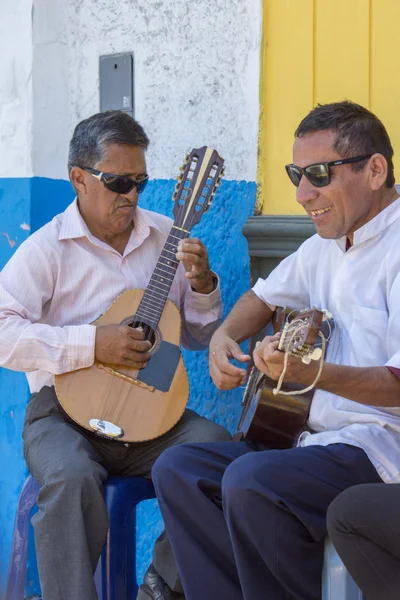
(116,82)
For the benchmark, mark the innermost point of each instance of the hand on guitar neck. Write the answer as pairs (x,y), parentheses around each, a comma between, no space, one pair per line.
(193,254)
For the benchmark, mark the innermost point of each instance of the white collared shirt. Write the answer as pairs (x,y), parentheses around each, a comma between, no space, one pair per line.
(62,278)
(361,288)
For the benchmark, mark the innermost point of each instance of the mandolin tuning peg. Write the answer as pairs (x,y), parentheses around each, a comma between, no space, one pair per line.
(182,168)
(174,196)
(179,178)
(222,172)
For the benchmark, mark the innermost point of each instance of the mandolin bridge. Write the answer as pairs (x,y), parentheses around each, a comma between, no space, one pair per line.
(112,371)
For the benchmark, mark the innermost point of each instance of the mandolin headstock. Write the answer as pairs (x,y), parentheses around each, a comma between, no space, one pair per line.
(200,177)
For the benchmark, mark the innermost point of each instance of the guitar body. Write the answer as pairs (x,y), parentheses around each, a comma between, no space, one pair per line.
(277,419)
(274,420)
(143,403)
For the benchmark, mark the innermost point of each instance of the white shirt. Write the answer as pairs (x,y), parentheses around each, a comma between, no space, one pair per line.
(361,288)
(62,278)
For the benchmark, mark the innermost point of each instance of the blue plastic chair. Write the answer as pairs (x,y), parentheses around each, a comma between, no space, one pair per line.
(117,574)
(337,584)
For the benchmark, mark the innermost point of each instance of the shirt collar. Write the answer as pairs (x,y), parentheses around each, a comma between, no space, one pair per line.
(73,225)
(382,221)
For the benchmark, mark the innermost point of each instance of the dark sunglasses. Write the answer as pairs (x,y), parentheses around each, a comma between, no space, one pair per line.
(319,174)
(117,183)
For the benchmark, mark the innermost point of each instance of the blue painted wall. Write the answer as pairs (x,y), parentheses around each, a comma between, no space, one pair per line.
(33,202)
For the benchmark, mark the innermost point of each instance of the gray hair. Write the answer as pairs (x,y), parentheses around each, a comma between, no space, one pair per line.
(90,137)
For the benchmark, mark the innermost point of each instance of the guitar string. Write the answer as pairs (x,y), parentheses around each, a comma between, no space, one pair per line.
(277,390)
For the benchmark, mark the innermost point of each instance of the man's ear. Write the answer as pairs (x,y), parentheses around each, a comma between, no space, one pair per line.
(78,180)
(378,171)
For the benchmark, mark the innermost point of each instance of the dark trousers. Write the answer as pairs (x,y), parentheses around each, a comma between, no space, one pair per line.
(364,524)
(71,467)
(251,524)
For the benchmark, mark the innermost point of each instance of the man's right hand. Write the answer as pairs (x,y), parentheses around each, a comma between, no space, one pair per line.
(225,375)
(121,345)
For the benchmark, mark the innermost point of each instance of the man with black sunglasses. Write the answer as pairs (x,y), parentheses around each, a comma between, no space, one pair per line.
(246,521)
(58,282)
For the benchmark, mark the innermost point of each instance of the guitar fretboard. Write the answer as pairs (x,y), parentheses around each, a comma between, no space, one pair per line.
(154,298)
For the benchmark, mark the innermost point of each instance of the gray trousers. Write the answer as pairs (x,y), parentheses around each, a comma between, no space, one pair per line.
(364,524)
(71,466)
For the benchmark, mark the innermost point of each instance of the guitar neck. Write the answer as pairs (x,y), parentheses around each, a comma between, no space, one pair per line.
(156,293)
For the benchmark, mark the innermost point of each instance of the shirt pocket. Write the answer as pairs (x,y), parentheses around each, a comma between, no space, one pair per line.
(368,335)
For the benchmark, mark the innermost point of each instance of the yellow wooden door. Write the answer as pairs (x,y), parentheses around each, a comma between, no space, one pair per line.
(322,51)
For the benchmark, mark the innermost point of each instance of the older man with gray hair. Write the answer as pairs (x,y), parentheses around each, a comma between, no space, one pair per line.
(58,282)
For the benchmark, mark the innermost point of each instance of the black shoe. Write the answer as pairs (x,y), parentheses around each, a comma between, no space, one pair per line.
(155,588)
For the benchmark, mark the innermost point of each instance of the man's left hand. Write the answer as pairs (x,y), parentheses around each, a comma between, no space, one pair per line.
(268,359)
(193,253)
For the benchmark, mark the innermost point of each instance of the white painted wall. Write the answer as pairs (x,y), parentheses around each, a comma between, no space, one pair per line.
(51,109)
(196,76)
(16,88)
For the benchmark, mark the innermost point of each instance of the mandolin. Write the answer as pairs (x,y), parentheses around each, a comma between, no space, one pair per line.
(134,405)
(276,415)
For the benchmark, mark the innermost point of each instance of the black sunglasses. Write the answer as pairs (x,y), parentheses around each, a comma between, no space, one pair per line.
(117,183)
(319,174)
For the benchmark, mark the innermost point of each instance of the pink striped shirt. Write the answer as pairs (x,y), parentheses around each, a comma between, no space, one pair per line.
(62,278)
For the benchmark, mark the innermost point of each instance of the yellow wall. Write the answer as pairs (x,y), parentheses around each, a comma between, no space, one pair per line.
(322,51)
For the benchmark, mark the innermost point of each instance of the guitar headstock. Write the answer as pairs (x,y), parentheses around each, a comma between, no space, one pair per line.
(300,332)
(201,175)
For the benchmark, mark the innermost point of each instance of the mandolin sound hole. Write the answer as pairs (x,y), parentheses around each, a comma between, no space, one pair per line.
(153,336)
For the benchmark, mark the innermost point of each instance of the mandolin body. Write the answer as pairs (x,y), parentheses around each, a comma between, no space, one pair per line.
(143,404)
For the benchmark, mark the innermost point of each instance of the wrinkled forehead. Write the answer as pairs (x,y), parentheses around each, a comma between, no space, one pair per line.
(314,147)
(123,159)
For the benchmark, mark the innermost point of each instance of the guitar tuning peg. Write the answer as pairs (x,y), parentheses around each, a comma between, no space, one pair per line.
(222,172)
(177,186)
(174,196)
(179,178)
(182,168)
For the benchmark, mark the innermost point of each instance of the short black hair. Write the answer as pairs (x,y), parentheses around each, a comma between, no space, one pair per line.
(358,131)
(90,137)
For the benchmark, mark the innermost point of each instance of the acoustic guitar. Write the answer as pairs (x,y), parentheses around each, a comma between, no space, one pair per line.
(276,416)
(134,405)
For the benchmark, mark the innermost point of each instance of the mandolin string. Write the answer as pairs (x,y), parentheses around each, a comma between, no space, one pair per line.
(156,279)
(110,404)
(119,404)
(106,396)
